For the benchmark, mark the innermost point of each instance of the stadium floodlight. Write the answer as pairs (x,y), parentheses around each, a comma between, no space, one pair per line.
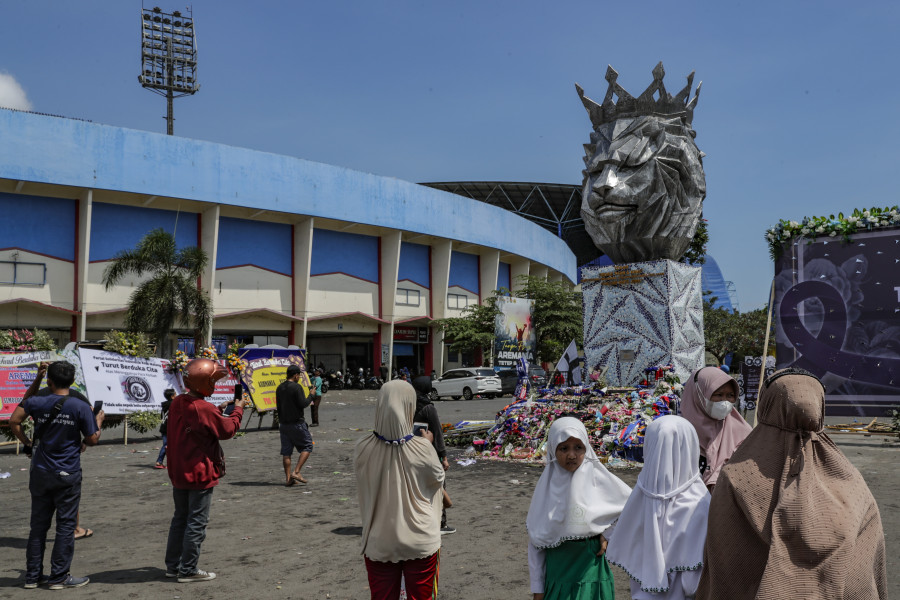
(168,56)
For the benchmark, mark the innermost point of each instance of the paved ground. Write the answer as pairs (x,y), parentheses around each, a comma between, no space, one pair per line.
(268,541)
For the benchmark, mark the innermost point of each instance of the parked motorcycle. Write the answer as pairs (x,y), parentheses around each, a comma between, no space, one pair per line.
(373,383)
(334,380)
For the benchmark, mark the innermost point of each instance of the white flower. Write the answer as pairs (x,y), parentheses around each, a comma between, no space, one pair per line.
(833,233)
(770,237)
(853,220)
(787,234)
(865,213)
(794,224)
(805,230)
(820,229)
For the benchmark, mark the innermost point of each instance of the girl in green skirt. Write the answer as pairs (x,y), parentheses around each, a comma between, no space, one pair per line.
(575,502)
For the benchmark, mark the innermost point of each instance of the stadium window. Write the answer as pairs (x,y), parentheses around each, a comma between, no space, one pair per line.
(457,301)
(13,272)
(407,297)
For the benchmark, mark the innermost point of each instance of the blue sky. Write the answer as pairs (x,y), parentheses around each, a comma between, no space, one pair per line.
(798,113)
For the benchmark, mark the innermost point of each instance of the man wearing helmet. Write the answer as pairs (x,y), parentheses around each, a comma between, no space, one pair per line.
(196,463)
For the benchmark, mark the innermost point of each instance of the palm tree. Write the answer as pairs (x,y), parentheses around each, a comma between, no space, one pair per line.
(170,294)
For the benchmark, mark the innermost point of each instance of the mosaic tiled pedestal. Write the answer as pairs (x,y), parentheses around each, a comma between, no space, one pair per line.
(640,315)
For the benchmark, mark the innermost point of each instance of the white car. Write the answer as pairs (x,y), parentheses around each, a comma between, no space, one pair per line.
(467,383)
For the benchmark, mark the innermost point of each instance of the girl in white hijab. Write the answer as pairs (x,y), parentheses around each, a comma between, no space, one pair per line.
(574,503)
(398,478)
(660,535)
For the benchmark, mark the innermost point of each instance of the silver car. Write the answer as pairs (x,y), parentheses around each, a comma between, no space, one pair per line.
(467,383)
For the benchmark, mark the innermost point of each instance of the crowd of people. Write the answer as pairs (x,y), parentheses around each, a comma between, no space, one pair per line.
(720,509)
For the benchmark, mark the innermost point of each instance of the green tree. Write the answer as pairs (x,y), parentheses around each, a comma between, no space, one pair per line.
(732,331)
(475,329)
(170,294)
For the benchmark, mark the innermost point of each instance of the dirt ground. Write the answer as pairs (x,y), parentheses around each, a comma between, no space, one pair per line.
(268,541)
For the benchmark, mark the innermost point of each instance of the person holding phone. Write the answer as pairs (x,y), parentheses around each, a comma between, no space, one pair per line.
(398,479)
(35,389)
(63,427)
(427,413)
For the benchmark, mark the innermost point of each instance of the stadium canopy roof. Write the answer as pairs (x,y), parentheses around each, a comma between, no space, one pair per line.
(554,206)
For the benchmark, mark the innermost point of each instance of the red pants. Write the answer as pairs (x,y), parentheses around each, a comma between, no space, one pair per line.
(420,576)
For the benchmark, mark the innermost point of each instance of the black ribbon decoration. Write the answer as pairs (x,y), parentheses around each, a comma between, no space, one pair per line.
(822,354)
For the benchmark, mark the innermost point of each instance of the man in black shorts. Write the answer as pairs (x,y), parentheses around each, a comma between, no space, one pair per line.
(290,400)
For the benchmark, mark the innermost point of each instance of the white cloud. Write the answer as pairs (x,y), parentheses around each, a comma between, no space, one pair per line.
(11,93)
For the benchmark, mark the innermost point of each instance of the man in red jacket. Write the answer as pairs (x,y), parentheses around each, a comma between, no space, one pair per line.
(196,462)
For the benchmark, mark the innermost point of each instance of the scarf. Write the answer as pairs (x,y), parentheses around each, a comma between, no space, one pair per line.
(398,480)
(663,526)
(791,517)
(718,438)
(571,506)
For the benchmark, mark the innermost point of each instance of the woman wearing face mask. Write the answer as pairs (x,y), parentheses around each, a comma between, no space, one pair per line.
(708,403)
(575,502)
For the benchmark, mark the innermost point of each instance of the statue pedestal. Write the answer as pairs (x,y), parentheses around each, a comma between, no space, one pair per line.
(640,315)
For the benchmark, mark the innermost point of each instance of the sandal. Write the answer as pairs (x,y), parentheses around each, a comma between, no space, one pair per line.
(87,533)
(298,478)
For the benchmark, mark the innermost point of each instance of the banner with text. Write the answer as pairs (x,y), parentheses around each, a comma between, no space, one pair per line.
(18,370)
(126,384)
(265,369)
(19,359)
(514,335)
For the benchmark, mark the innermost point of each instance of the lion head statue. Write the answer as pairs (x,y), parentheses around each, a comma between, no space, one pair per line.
(643,183)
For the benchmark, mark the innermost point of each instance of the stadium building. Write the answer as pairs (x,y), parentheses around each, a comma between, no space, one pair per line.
(350,265)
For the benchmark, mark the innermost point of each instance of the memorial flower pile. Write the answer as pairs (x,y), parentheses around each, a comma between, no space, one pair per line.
(615,421)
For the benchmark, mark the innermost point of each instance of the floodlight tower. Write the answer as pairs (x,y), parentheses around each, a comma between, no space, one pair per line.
(168,56)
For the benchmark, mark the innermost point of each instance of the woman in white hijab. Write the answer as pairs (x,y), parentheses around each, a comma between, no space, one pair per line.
(659,538)
(398,478)
(574,503)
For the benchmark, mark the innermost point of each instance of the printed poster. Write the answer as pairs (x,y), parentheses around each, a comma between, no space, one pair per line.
(126,384)
(514,335)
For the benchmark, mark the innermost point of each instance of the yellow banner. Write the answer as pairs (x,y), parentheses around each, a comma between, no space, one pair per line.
(263,375)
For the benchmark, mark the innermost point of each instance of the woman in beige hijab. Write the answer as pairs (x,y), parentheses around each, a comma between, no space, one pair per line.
(790,516)
(398,478)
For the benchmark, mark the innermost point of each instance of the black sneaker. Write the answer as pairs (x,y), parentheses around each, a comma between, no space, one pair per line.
(70,582)
(447,530)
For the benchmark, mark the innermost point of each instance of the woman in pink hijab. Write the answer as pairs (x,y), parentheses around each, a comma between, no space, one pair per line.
(708,403)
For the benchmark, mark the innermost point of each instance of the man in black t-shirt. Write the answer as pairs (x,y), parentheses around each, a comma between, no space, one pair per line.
(290,400)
